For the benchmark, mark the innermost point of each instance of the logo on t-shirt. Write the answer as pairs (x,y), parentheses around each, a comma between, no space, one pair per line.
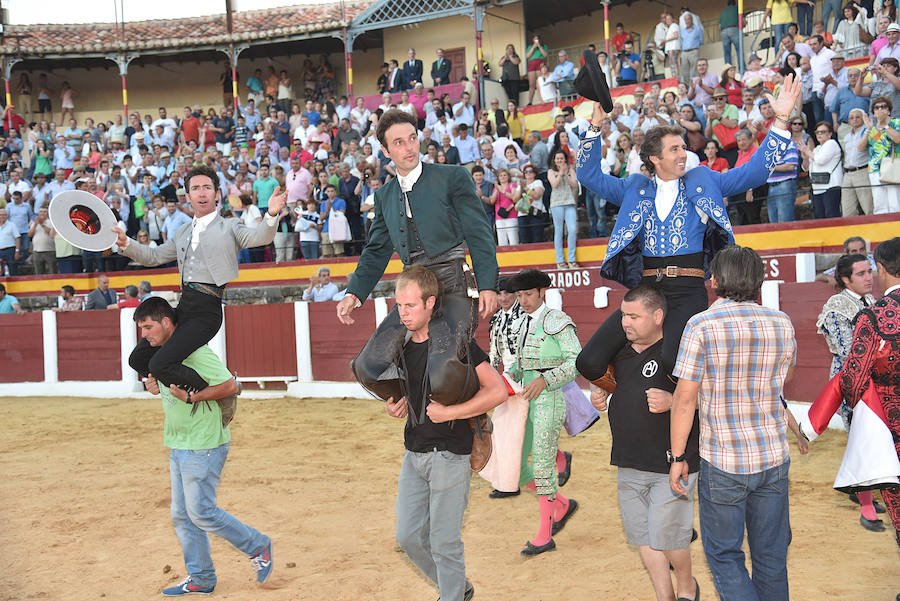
(649,369)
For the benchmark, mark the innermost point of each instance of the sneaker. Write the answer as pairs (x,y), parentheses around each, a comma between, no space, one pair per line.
(573,265)
(262,563)
(560,265)
(187,587)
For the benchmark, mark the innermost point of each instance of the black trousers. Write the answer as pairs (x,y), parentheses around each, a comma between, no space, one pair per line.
(199,318)
(450,376)
(685,296)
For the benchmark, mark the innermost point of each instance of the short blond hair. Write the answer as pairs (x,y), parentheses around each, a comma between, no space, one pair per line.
(423,278)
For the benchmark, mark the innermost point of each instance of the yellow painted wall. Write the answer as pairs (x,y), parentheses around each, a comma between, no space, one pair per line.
(176,84)
(454,32)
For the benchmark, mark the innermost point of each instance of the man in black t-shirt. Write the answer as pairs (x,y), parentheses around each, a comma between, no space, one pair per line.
(433,486)
(656,520)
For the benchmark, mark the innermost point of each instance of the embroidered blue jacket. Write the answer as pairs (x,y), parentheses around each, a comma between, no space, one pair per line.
(700,187)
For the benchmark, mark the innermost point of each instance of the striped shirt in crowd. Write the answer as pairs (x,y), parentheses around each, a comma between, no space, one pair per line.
(740,352)
(791,155)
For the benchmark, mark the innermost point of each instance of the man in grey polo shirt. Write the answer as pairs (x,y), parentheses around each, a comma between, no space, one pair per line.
(655,519)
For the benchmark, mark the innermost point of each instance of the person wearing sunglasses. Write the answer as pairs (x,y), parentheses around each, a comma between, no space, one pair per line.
(888,85)
(825,171)
(882,140)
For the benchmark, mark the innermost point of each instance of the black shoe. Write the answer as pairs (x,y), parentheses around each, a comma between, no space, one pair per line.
(696,594)
(531,550)
(873,525)
(500,494)
(564,475)
(558,526)
(693,534)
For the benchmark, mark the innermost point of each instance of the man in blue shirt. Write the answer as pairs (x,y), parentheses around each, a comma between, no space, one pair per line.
(627,65)
(9,303)
(467,147)
(174,220)
(20,214)
(255,87)
(691,40)
(845,101)
(63,155)
(564,74)
(10,243)
(224,128)
(331,203)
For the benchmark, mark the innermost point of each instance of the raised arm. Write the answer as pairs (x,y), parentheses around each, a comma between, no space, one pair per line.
(588,164)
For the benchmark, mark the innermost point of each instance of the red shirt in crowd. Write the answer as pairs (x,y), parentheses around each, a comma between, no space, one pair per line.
(191,128)
(734,90)
(619,40)
(719,164)
(744,156)
(128,302)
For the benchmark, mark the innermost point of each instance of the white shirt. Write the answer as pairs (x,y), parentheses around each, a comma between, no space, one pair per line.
(853,157)
(439,130)
(407,182)
(891,289)
(666,195)
(199,227)
(467,116)
(676,43)
(821,66)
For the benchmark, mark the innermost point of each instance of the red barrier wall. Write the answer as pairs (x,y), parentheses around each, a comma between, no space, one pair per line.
(260,340)
(21,348)
(333,344)
(803,303)
(89,345)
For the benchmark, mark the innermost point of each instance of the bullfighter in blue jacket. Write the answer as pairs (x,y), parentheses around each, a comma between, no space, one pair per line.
(670,225)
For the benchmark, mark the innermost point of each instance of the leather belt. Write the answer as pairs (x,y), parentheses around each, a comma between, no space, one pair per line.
(210,289)
(672,271)
(852,169)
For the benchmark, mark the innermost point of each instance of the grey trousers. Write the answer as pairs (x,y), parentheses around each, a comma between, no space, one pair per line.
(432,494)
(856,189)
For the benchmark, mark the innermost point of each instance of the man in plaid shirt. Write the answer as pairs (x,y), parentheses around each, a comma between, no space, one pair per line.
(736,357)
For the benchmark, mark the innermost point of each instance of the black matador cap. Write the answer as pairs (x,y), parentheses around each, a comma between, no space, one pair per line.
(528,279)
(591,82)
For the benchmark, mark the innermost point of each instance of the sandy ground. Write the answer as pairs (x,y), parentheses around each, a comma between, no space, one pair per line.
(85,513)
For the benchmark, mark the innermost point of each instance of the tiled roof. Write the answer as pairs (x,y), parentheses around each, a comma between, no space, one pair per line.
(248,27)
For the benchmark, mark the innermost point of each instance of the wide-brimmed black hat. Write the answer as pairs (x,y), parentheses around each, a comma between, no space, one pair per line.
(528,279)
(503,283)
(591,82)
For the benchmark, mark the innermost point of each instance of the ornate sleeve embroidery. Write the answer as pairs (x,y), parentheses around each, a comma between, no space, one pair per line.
(857,369)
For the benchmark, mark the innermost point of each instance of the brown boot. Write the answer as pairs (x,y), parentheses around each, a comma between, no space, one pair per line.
(608,381)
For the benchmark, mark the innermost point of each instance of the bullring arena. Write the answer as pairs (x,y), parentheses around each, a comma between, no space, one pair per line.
(86,492)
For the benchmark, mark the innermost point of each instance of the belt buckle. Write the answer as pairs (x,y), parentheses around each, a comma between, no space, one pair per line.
(671,271)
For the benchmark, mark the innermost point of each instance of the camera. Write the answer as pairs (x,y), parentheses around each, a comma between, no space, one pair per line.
(648,54)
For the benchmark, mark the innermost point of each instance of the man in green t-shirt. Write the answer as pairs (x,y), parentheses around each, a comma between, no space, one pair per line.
(263,187)
(199,445)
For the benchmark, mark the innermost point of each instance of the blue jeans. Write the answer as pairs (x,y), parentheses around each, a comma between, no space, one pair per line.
(780,202)
(596,207)
(818,108)
(432,495)
(310,249)
(728,503)
(564,215)
(805,19)
(92,261)
(195,479)
(730,36)
(780,30)
(829,9)
(9,255)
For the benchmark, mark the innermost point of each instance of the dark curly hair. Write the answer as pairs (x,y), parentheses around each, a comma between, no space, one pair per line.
(739,273)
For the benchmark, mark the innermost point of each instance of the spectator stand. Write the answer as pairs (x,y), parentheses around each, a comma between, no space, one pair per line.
(770,240)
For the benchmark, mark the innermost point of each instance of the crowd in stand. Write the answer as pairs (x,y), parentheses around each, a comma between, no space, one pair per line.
(324,151)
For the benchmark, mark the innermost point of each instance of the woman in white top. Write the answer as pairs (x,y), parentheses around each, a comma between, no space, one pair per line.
(359,116)
(563,197)
(532,223)
(673,45)
(847,34)
(546,87)
(405,105)
(825,171)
